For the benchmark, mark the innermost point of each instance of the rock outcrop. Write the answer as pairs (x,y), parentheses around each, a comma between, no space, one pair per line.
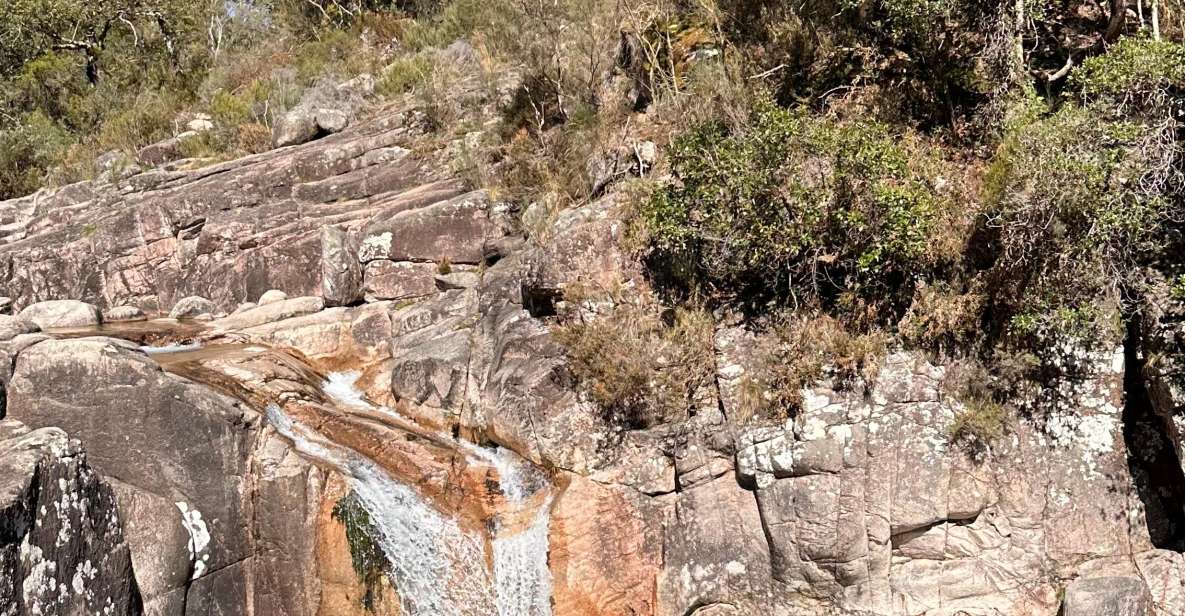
(352,256)
(62,543)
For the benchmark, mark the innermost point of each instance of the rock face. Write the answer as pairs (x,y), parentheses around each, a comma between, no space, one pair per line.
(1107,596)
(62,544)
(232,231)
(208,499)
(416,292)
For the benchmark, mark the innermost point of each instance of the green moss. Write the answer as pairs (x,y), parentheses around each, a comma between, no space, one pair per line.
(367,558)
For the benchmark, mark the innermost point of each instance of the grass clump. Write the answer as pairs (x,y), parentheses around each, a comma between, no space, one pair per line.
(980,417)
(803,350)
(642,367)
(366,557)
(979,423)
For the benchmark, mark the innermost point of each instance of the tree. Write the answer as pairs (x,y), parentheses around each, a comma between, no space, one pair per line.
(88,28)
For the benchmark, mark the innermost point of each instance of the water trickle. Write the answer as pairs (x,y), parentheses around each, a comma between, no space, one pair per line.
(342,387)
(521,577)
(437,567)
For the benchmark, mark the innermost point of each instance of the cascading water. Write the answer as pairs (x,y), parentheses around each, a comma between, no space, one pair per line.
(437,567)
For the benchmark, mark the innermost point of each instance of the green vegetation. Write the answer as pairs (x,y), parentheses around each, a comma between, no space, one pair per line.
(367,558)
(978,424)
(803,350)
(822,212)
(997,182)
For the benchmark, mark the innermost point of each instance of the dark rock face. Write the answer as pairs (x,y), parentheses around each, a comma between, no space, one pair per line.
(1107,596)
(62,545)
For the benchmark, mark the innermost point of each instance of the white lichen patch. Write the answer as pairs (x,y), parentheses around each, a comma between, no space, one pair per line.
(1093,435)
(199,537)
(375,247)
(82,574)
(40,583)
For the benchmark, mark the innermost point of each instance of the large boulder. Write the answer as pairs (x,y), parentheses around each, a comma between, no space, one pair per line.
(62,546)
(193,307)
(62,313)
(180,453)
(123,313)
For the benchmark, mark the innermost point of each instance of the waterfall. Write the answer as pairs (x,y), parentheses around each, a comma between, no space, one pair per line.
(521,577)
(437,567)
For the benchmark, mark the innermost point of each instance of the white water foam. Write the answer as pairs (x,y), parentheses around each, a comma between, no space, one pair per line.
(171,348)
(521,577)
(342,387)
(438,568)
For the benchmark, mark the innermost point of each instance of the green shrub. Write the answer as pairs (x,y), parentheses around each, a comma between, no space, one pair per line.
(27,151)
(1080,202)
(1135,69)
(800,207)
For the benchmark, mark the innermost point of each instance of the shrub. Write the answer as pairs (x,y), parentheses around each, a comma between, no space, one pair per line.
(810,209)
(942,319)
(638,369)
(1080,202)
(27,151)
(1135,70)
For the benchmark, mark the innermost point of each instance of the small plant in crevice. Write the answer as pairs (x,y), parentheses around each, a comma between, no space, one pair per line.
(980,417)
(979,423)
(366,556)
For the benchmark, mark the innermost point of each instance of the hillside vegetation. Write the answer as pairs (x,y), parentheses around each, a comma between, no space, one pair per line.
(1002,183)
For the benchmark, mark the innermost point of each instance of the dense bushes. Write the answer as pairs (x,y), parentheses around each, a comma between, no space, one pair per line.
(812,210)
(1080,201)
